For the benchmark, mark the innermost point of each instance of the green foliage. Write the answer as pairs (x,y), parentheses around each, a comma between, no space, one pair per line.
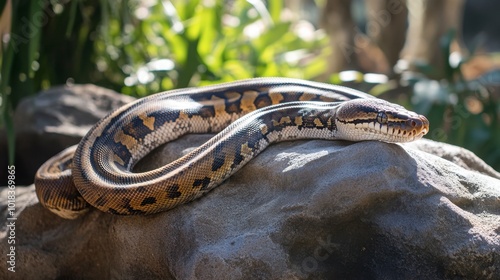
(17,59)
(463,113)
(138,49)
(190,43)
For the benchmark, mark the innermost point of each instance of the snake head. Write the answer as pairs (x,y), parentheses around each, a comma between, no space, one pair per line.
(375,119)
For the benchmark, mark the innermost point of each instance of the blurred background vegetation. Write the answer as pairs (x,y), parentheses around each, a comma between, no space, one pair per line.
(140,47)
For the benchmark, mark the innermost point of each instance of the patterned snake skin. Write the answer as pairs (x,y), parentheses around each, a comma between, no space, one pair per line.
(248,115)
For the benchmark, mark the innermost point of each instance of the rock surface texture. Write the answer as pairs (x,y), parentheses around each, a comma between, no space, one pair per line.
(300,210)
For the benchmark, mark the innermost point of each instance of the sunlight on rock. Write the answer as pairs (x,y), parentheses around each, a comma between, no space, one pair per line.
(298,160)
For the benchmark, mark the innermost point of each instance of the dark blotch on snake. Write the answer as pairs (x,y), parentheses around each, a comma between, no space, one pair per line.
(163,116)
(121,151)
(101,201)
(131,209)
(262,101)
(292,96)
(219,159)
(173,191)
(136,128)
(238,158)
(233,107)
(148,200)
(207,111)
(201,182)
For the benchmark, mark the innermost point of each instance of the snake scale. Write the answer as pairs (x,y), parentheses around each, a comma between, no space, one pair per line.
(247,116)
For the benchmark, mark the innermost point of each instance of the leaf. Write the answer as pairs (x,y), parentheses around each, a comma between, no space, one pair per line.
(275,9)
(211,27)
(271,36)
(236,70)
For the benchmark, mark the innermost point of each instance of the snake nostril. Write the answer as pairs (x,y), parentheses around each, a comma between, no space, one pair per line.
(413,123)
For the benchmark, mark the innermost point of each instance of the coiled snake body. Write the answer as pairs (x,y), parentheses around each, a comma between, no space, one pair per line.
(249,115)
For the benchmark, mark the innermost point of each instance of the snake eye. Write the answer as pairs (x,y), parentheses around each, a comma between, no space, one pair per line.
(382,117)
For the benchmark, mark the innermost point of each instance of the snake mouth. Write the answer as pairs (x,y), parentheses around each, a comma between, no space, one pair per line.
(393,134)
(409,128)
(413,128)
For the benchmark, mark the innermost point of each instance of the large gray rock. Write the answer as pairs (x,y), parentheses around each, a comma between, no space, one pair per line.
(300,210)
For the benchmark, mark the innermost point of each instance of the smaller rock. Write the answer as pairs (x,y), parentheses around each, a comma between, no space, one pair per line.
(57,118)
(458,155)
